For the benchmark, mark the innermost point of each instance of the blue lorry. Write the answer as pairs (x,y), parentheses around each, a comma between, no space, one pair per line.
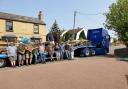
(98,43)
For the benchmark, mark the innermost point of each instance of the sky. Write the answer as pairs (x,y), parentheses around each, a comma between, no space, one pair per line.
(61,10)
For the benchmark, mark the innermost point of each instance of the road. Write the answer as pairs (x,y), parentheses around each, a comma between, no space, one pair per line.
(98,72)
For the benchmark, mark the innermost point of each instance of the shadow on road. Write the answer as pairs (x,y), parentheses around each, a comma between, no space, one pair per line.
(116,57)
(126,76)
(109,56)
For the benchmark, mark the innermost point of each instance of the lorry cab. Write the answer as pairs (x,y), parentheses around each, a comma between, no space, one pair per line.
(99,39)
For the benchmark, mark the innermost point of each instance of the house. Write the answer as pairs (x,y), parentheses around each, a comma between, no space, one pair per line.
(76,34)
(14,27)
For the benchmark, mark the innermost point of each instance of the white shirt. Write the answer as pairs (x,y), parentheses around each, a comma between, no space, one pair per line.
(11,50)
(41,49)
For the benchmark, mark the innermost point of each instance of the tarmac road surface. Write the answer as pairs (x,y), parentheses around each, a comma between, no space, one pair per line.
(98,72)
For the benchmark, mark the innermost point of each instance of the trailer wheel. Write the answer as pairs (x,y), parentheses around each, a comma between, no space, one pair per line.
(93,52)
(81,54)
(2,63)
(87,53)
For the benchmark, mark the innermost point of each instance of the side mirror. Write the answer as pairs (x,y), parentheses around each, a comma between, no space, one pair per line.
(108,37)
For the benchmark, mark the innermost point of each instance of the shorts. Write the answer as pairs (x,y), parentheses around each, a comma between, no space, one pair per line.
(12,58)
(28,55)
(21,57)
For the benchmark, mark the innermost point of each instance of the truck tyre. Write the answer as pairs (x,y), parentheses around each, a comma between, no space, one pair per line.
(2,63)
(93,52)
(87,52)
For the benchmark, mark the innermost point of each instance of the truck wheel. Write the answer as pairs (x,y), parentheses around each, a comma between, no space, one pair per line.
(87,53)
(93,52)
(2,63)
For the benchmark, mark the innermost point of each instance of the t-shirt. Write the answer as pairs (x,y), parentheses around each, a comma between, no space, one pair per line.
(21,49)
(35,51)
(11,50)
(66,47)
(61,47)
(71,48)
(29,48)
(50,37)
(57,48)
(41,49)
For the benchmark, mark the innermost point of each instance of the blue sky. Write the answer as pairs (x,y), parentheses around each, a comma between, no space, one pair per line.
(61,10)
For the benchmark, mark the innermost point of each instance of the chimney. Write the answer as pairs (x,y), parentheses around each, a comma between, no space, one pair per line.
(40,15)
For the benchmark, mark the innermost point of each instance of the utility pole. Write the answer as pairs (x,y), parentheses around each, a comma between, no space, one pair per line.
(74,24)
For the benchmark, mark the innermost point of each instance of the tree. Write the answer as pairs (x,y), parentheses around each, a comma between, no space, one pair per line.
(117,19)
(55,30)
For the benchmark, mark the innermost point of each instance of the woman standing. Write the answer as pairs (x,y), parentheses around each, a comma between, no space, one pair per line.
(42,53)
(57,51)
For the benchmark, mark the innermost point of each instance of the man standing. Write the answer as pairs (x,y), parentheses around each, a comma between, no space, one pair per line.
(50,51)
(71,48)
(57,51)
(67,52)
(35,53)
(28,53)
(61,51)
(11,52)
(20,53)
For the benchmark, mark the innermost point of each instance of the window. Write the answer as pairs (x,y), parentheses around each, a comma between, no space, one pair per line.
(36,40)
(9,26)
(36,29)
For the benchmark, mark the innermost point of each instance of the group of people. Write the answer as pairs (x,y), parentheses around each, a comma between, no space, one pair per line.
(32,53)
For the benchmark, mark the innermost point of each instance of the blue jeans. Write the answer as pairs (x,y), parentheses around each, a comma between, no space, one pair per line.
(42,57)
(67,54)
(61,55)
(35,58)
